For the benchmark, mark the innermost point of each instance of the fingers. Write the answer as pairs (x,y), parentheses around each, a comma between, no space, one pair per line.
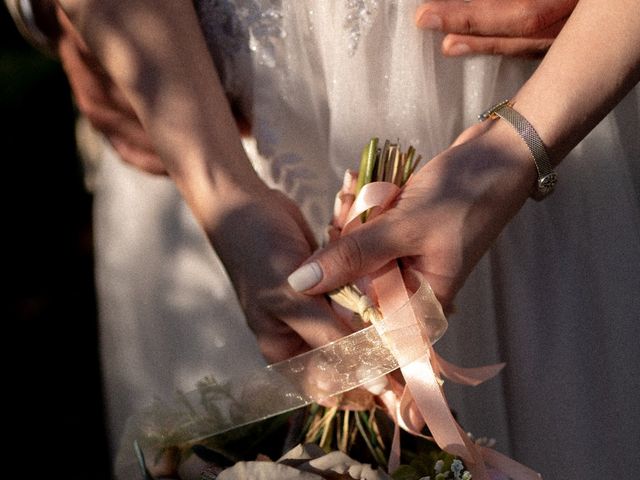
(518,28)
(476,17)
(347,259)
(459,45)
(278,347)
(300,324)
(514,18)
(140,158)
(103,103)
(298,218)
(535,46)
(316,323)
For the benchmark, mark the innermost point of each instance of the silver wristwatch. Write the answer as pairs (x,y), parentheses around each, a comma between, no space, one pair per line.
(547,177)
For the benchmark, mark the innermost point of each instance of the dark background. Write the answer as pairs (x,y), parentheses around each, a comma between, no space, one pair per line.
(53,380)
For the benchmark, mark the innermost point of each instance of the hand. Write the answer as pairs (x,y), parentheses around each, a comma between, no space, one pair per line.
(498,27)
(443,221)
(101,101)
(260,243)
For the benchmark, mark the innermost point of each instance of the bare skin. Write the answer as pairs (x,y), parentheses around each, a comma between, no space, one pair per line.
(101,100)
(484,26)
(258,233)
(522,28)
(275,316)
(472,190)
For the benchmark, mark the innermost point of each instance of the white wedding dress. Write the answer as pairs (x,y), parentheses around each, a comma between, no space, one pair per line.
(557,298)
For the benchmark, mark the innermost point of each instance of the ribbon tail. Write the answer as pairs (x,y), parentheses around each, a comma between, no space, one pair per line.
(422,373)
(507,465)
(426,391)
(467,376)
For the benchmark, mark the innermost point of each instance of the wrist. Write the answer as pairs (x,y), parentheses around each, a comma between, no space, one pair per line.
(546,176)
(215,193)
(511,157)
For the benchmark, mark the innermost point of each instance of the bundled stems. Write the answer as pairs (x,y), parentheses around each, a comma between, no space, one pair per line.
(386,164)
(332,428)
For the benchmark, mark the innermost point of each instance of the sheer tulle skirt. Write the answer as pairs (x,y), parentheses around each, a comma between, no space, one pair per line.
(556,298)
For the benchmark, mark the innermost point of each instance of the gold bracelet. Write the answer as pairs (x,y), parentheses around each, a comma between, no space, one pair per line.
(547,178)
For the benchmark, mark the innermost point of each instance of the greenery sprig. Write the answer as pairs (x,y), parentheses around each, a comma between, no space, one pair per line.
(387,164)
(362,434)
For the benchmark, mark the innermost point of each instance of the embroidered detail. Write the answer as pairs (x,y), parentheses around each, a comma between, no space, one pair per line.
(233,26)
(359,19)
(289,171)
(264,22)
(254,30)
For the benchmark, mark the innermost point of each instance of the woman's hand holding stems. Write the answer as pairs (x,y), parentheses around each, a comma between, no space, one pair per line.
(442,222)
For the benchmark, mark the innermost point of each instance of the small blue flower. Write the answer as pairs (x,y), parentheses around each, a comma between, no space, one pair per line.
(457,467)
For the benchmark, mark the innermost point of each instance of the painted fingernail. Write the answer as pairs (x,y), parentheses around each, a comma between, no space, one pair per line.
(430,21)
(347,181)
(305,277)
(458,49)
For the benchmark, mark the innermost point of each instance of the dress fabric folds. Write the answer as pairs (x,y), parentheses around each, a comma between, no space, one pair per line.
(557,297)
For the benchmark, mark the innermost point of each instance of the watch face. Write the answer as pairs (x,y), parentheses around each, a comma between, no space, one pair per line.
(547,182)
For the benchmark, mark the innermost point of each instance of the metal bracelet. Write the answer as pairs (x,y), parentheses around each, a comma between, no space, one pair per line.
(547,177)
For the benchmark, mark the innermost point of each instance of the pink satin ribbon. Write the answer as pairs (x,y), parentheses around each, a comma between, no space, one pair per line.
(422,401)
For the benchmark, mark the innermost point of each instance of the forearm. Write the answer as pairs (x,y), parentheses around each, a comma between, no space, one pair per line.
(593,63)
(155,52)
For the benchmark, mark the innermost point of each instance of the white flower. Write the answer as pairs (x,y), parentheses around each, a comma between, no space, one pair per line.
(265,471)
(308,462)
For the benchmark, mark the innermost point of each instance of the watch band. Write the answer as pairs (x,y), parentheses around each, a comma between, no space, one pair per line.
(547,177)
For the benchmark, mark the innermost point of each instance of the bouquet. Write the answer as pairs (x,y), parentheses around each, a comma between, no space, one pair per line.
(353,392)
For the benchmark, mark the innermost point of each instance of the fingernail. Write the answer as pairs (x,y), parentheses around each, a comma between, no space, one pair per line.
(305,277)
(458,49)
(347,181)
(430,21)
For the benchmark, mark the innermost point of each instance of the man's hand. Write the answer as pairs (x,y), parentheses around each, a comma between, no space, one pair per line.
(499,27)
(97,96)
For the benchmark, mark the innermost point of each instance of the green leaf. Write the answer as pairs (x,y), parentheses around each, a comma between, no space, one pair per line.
(367,167)
(367,164)
(408,166)
(365,432)
(391,156)
(405,472)
(382,162)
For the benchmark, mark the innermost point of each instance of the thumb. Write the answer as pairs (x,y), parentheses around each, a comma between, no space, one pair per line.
(456,45)
(351,257)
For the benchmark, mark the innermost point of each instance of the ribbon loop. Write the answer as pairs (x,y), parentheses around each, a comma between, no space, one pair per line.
(422,374)
(412,320)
